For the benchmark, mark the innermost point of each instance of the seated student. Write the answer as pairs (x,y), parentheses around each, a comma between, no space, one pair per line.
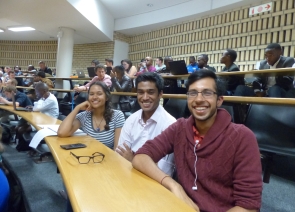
(203,62)
(193,66)
(130,70)
(94,62)
(44,68)
(218,162)
(40,77)
(21,100)
(6,172)
(148,122)
(12,82)
(100,71)
(146,66)
(122,83)
(228,58)
(159,64)
(98,120)
(275,86)
(47,104)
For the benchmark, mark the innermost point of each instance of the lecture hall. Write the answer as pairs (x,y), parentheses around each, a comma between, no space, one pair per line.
(171,105)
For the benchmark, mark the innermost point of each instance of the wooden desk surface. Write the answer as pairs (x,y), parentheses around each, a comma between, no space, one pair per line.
(58,78)
(112,185)
(256,73)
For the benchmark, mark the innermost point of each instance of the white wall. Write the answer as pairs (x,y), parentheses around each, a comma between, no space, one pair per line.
(97,14)
(121,50)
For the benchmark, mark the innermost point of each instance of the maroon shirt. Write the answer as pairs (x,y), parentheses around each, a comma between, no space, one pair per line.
(228,165)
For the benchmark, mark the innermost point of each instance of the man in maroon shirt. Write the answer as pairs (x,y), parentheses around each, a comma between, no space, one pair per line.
(218,162)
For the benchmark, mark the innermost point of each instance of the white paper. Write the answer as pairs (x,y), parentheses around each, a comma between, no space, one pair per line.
(39,137)
(48,130)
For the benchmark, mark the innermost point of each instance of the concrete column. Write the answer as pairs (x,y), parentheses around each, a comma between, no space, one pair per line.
(64,56)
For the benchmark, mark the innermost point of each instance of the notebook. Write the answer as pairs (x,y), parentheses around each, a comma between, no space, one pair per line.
(80,73)
(91,72)
(178,67)
(18,108)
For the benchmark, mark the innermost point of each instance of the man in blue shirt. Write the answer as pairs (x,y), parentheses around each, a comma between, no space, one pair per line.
(193,66)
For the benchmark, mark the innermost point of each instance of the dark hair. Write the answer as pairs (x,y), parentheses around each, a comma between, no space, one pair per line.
(109,60)
(152,77)
(99,66)
(31,66)
(108,113)
(160,58)
(275,46)
(205,56)
(120,69)
(192,57)
(233,54)
(96,62)
(128,62)
(41,86)
(142,60)
(41,74)
(41,62)
(204,73)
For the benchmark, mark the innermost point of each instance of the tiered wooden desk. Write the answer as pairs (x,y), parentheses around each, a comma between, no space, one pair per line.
(112,185)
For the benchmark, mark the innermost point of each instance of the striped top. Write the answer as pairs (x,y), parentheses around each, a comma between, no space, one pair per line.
(105,137)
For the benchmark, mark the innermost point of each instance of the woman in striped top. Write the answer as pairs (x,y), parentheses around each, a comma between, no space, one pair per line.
(98,120)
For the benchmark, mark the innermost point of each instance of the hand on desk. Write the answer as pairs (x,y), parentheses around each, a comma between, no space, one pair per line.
(3,100)
(178,191)
(127,153)
(79,89)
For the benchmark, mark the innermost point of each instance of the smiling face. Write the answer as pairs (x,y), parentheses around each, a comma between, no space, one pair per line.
(148,97)
(97,97)
(204,109)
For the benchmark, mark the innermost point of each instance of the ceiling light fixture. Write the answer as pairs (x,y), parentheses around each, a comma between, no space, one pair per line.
(1,30)
(149,5)
(20,29)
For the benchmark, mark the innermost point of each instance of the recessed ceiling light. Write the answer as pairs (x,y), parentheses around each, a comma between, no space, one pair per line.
(149,5)
(20,29)
(1,30)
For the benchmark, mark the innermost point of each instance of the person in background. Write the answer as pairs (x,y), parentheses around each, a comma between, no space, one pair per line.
(218,162)
(203,62)
(159,64)
(130,70)
(17,71)
(148,122)
(47,104)
(2,167)
(31,72)
(94,63)
(10,75)
(12,82)
(54,72)
(100,71)
(140,65)
(147,66)
(109,62)
(122,83)
(6,70)
(40,77)
(1,76)
(193,66)
(279,86)
(228,58)
(44,68)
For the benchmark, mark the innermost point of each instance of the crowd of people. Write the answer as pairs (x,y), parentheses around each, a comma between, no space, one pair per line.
(206,160)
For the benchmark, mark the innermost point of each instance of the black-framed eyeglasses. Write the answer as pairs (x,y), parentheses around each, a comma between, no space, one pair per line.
(97,157)
(205,93)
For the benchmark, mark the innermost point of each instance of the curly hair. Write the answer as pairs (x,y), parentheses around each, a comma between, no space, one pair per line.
(108,112)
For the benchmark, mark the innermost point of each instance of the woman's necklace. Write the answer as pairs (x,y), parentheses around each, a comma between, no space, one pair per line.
(98,129)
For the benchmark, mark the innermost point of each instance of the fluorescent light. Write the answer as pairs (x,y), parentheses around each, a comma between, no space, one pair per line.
(1,30)
(20,29)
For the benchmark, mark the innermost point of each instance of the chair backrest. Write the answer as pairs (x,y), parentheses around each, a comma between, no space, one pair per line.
(273,127)
(230,110)
(176,107)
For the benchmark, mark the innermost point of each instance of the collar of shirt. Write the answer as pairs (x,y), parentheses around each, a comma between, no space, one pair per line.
(274,65)
(197,136)
(155,117)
